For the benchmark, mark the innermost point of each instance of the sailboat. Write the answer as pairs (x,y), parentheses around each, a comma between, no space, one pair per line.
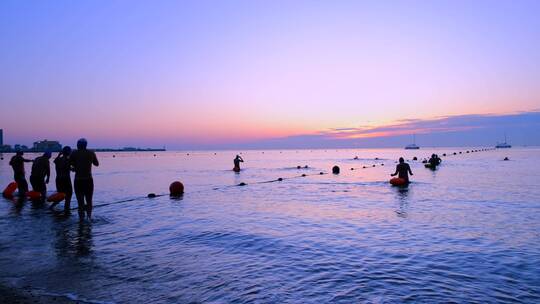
(412,146)
(503,145)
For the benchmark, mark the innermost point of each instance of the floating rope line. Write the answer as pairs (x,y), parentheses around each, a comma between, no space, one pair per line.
(367,167)
(152,195)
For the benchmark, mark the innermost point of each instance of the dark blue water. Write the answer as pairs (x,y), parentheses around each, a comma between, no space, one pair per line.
(468,232)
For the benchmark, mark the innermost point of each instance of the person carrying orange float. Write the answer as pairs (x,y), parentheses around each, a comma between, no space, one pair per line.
(17,163)
(63,178)
(403,170)
(41,172)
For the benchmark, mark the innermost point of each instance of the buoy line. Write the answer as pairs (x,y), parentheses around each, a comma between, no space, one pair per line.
(153,195)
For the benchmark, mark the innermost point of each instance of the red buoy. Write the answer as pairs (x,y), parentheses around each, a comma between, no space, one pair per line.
(396,181)
(10,189)
(56,197)
(176,188)
(33,195)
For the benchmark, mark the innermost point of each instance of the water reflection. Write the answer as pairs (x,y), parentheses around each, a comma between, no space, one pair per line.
(76,243)
(402,196)
(18,205)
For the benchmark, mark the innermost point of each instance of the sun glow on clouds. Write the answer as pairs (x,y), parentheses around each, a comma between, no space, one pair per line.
(457,123)
(392,130)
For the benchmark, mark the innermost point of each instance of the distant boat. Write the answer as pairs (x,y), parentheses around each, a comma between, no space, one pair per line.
(412,146)
(503,145)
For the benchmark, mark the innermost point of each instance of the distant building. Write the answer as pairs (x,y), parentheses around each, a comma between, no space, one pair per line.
(3,148)
(47,145)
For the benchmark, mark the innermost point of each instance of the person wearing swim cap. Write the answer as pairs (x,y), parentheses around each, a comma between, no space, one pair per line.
(63,177)
(403,169)
(81,160)
(40,174)
(19,175)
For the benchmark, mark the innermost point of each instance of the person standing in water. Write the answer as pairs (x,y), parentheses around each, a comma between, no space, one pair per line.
(19,175)
(237,160)
(63,177)
(435,160)
(41,172)
(403,169)
(82,160)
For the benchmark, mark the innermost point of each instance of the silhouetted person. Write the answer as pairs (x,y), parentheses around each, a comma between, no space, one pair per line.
(403,169)
(41,172)
(63,177)
(434,161)
(237,160)
(17,163)
(82,160)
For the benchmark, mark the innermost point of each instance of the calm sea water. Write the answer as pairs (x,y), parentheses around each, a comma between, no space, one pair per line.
(468,232)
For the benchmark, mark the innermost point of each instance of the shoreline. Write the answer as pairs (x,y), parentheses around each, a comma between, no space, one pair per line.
(27,296)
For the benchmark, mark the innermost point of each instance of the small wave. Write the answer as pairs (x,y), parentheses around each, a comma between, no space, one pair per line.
(70,296)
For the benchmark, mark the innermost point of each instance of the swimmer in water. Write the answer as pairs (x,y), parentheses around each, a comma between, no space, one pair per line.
(81,160)
(237,160)
(403,169)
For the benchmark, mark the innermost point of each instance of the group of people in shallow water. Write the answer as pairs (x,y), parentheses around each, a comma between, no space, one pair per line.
(403,169)
(79,161)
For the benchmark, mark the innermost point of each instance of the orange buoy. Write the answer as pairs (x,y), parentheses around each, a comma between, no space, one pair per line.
(10,189)
(396,181)
(56,197)
(176,188)
(33,195)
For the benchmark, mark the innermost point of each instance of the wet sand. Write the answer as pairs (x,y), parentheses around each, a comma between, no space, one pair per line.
(26,296)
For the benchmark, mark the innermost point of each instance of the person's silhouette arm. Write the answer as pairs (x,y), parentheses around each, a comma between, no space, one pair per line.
(409,168)
(28,160)
(395,173)
(95,160)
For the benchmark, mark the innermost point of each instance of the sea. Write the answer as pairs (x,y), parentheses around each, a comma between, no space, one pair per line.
(467,232)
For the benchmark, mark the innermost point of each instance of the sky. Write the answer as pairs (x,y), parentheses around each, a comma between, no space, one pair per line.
(218,74)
